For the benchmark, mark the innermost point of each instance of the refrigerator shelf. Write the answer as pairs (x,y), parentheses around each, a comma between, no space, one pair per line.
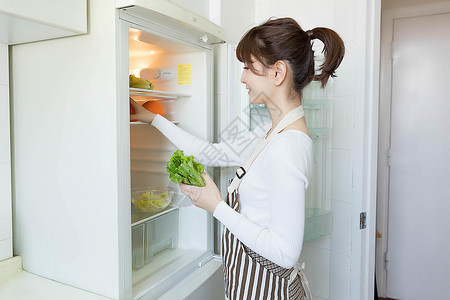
(139,217)
(316,103)
(318,224)
(143,123)
(157,95)
(164,264)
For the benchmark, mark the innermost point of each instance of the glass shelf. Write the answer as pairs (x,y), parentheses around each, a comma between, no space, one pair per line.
(318,224)
(139,217)
(143,123)
(316,103)
(157,95)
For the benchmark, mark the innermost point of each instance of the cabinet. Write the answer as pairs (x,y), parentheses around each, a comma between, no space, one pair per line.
(24,21)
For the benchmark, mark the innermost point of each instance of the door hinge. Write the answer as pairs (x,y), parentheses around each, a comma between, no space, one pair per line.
(386,260)
(388,157)
(362,220)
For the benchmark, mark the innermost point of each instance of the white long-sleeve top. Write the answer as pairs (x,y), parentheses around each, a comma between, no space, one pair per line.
(271,220)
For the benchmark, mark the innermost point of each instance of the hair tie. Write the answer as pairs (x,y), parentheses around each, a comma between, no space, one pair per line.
(310,34)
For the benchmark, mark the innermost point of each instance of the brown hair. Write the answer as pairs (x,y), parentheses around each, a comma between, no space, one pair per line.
(284,39)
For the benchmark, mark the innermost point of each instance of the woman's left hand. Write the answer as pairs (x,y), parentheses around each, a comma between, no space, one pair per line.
(206,197)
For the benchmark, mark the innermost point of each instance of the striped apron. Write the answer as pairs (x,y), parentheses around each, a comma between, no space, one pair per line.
(247,274)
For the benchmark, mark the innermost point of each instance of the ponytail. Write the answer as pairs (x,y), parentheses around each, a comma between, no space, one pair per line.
(333,51)
(284,39)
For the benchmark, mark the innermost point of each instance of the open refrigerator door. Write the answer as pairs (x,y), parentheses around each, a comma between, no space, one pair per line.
(318,116)
(190,81)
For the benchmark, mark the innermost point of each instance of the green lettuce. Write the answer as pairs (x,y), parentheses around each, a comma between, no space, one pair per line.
(184,169)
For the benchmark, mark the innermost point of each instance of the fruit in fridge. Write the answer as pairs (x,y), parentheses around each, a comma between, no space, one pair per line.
(139,83)
(155,107)
(132,112)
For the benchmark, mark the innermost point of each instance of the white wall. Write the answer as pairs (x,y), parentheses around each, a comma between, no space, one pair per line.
(199,7)
(237,17)
(5,159)
(332,255)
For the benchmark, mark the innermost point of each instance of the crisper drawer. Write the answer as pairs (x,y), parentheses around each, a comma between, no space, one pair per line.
(154,236)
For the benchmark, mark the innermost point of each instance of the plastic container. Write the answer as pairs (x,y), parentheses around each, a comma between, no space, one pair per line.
(150,199)
(138,252)
(161,233)
(159,73)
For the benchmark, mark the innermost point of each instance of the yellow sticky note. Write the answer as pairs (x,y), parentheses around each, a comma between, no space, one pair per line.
(184,74)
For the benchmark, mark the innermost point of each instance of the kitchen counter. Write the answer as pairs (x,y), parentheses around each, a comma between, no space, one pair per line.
(17,284)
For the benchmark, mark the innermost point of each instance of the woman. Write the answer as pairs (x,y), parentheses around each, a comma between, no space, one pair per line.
(264,221)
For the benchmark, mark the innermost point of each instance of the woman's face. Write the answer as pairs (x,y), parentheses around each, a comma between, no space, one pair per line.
(259,86)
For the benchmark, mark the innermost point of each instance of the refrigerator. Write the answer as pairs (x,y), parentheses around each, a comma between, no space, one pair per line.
(77,157)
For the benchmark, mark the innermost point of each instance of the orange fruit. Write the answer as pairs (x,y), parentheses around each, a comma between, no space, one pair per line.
(155,107)
(132,112)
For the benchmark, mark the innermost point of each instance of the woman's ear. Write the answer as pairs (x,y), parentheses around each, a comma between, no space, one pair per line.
(279,72)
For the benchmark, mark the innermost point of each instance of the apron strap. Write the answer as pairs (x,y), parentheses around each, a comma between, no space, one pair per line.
(290,117)
(298,270)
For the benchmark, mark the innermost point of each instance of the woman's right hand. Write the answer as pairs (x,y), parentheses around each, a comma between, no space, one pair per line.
(141,113)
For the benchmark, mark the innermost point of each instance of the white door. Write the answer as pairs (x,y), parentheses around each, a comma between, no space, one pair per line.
(419,190)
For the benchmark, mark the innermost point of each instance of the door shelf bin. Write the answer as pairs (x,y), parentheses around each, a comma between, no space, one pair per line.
(317,133)
(154,236)
(318,224)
